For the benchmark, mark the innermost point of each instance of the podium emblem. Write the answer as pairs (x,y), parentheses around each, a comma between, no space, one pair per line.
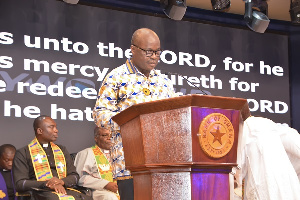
(216,135)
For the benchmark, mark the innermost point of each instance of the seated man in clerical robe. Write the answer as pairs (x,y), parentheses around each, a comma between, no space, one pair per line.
(45,168)
(7,153)
(94,167)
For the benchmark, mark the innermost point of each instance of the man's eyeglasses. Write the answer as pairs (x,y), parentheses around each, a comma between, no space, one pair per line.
(149,53)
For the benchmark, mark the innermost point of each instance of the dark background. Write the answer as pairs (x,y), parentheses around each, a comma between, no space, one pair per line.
(115,23)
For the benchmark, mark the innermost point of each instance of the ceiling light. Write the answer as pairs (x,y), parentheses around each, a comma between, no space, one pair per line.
(255,20)
(71,1)
(295,11)
(174,9)
(220,5)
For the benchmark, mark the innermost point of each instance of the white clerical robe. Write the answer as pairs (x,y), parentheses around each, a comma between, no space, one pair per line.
(269,155)
(87,169)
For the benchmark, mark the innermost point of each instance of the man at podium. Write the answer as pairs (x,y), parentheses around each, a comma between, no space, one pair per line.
(134,82)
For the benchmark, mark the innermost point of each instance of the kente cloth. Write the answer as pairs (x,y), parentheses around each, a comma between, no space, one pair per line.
(51,195)
(263,159)
(123,87)
(104,167)
(64,196)
(3,189)
(25,177)
(90,177)
(41,164)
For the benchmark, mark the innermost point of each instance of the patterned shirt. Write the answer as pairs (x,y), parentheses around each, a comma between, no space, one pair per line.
(123,87)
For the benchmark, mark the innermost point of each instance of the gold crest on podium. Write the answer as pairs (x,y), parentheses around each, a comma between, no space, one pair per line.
(216,135)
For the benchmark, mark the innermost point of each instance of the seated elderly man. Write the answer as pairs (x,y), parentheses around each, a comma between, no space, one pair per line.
(94,167)
(45,167)
(7,153)
(269,155)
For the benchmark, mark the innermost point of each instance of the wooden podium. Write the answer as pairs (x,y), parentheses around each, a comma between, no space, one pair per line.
(182,148)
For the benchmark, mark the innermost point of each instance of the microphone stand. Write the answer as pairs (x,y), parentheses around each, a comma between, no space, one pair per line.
(172,73)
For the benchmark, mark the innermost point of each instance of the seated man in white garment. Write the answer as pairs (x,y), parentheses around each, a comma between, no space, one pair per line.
(269,160)
(94,168)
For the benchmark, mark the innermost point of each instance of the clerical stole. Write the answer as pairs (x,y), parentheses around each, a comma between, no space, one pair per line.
(104,167)
(41,164)
(3,189)
(64,196)
(40,161)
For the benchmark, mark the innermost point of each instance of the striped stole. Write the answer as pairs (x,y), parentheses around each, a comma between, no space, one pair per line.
(64,196)
(104,167)
(41,164)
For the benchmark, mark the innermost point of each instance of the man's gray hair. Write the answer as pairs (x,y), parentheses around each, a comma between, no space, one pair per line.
(97,130)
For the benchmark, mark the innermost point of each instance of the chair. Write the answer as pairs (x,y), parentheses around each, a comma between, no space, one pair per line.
(28,195)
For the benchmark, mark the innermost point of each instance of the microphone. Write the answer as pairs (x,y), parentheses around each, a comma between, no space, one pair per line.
(173,73)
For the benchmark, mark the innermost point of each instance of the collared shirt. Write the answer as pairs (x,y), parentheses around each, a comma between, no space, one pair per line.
(123,87)
(107,154)
(86,166)
(24,174)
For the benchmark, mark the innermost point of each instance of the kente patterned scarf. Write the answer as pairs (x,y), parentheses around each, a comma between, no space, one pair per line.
(41,164)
